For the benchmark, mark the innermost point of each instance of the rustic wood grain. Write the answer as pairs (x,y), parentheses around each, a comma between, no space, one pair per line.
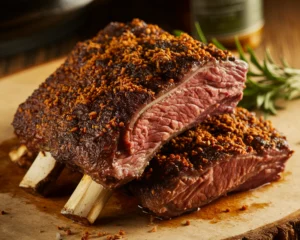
(287,228)
(282,30)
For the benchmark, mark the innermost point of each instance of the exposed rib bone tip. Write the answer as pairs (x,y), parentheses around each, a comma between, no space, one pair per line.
(86,202)
(42,174)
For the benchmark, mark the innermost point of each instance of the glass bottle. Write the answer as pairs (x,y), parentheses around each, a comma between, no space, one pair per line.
(225,19)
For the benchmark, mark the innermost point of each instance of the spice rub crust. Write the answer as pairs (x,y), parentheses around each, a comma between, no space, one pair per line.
(81,112)
(216,138)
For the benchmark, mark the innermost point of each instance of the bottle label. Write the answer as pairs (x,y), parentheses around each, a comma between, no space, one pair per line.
(221,18)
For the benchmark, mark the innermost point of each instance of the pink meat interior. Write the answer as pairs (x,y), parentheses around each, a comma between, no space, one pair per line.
(211,89)
(239,173)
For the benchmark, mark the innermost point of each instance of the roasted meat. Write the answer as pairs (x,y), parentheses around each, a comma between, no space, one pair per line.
(124,93)
(225,153)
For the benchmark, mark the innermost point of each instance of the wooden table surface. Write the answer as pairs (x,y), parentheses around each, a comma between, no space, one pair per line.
(281,34)
(282,29)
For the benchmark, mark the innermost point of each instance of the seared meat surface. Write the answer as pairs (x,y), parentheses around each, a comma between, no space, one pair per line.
(124,93)
(225,153)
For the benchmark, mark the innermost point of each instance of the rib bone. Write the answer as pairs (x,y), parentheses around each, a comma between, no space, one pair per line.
(16,154)
(86,202)
(42,174)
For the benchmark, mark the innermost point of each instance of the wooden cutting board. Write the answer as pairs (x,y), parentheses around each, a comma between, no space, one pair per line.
(272,210)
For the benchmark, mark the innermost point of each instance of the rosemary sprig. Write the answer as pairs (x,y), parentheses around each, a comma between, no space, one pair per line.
(267,83)
(200,33)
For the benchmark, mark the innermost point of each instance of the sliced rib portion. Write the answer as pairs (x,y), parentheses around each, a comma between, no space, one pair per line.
(226,153)
(209,91)
(121,95)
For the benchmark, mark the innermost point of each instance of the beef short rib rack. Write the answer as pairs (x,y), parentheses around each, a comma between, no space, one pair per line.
(124,93)
(225,153)
(136,93)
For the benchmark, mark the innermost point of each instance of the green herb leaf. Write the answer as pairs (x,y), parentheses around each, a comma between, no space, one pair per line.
(268,56)
(240,49)
(284,63)
(200,33)
(269,74)
(218,44)
(254,59)
(260,100)
(177,32)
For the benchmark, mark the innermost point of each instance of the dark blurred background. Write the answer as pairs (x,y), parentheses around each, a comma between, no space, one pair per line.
(26,24)
(34,31)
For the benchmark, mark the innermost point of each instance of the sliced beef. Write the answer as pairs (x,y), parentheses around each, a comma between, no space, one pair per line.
(121,95)
(226,153)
